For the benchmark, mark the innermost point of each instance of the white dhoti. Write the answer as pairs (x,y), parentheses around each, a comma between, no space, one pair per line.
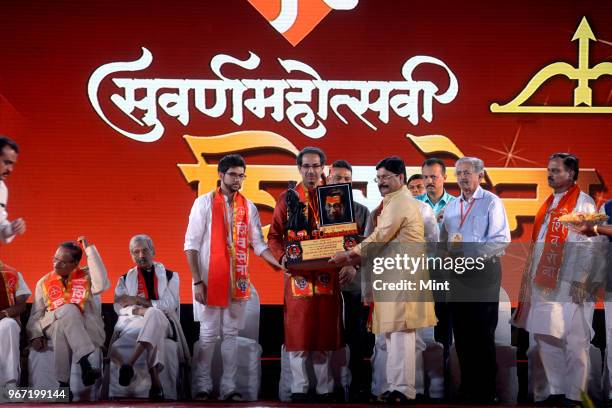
(401,362)
(152,329)
(215,322)
(9,346)
(563,341)
(321,364)
(70,339)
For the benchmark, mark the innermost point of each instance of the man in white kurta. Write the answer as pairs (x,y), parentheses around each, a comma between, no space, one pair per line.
(64,311)
(8,229)
(144,298)
(224,321)
(13,291)
(9,151)
(560,317)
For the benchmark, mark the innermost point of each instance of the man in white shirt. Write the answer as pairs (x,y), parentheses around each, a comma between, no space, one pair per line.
(13,290)
(8,157)
(222,224)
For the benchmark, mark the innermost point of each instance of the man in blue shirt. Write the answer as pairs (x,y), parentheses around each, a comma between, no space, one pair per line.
(434,175)
(476,226)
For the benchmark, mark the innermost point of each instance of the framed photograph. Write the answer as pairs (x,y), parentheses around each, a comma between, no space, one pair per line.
(336,204)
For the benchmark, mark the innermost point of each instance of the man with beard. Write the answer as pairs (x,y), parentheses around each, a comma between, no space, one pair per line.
(397,221)
(64,310)
(312,298)
(147,302)
(557,312)
(475,226)
(222,224)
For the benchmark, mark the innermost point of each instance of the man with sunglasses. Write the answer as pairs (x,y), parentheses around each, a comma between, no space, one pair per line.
(222,225)
(312,299)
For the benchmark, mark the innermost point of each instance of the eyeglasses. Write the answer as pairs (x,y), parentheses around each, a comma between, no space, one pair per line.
(235,176)
(379,179)
(308,167)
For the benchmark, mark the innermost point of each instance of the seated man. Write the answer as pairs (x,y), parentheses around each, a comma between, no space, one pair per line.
(146,300)
(13,295)
(64,310)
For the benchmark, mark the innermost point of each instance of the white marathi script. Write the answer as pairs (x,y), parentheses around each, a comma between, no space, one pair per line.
(305,101)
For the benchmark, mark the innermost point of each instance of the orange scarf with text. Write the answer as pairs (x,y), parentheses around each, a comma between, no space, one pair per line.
(225,254)
(547,273)
(77,290)
(8,286)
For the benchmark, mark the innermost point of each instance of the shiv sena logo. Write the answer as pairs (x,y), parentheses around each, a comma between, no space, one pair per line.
(295,19)
(242,284)
(54,293)
(301,282)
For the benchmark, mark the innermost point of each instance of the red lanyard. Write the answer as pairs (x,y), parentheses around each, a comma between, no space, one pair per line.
(463,218)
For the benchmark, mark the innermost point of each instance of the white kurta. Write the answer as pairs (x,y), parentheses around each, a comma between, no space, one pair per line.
(198,237)
(550,314)
(562,329)
(216,321)
(152,328)
(6,231)
(9,340)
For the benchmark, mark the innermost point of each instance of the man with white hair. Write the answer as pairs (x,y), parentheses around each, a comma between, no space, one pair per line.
(146,301)
(475,225)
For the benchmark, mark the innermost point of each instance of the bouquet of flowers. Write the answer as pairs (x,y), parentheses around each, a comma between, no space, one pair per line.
(581,218)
